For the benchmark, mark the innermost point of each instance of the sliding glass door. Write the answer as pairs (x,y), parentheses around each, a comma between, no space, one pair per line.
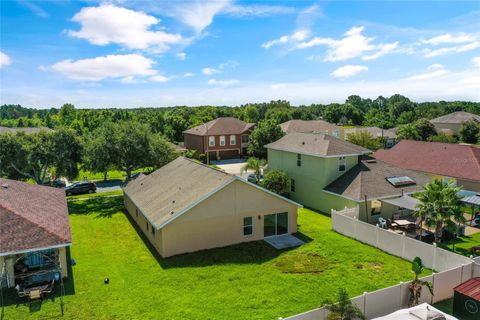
(275,224)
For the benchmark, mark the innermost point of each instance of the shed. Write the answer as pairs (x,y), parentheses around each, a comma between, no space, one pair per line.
(466,300)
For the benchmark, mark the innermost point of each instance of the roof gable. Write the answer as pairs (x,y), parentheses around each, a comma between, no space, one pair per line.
(219,126)
(316,144)
(446,159)
(456,117)
(319,126)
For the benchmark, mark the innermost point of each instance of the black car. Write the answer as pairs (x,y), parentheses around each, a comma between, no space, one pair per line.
(80,187)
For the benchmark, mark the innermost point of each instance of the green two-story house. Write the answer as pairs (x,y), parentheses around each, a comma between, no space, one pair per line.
(313,161)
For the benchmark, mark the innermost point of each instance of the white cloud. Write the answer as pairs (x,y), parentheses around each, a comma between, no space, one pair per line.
(112,66)
(429,53)
(450,38)
(433,71)
(36,9)
(383,49)
(108,24)
(159,78)
(4,59)
(297,36)
(222,83)
(257,10)
(210,71)
(348,71)
(181,56)
(476,61)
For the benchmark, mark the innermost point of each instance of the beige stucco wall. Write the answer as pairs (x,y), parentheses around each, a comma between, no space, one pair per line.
(218,220)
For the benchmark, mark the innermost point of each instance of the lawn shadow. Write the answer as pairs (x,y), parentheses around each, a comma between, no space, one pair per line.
(253,252)
(102,207)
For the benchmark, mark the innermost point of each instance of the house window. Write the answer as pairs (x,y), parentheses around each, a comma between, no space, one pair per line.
(233,140)
(342,163)
(292,185)
(153,231)
(244,138)
(222,140)
(136,212)
(247,226)
(147,225)
(211,141)
(299,160)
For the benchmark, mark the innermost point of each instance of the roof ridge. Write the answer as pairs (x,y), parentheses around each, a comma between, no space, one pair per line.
(206,166)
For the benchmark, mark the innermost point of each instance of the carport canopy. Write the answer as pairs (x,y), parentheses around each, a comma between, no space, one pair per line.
(473,200)
(404,201)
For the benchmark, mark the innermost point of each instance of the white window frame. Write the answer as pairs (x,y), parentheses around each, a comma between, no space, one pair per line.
(211,141)
(247,225)
(222,141)
(342,161)
(233,140)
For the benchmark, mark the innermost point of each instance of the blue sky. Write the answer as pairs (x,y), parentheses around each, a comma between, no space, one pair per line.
(152,54)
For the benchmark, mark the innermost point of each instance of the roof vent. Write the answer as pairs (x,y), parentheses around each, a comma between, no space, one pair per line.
(5,186)
(171,212)
(303,142)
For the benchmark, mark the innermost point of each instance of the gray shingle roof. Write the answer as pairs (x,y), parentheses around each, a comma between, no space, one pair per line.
(456,117)
(318,126)
(173,188)
(369,178)
(225,125)
(316,144)
(26,130)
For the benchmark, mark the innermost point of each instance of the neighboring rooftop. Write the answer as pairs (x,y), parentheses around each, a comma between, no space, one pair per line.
(456,117)
(446,159)
(318,126)
(316,144)
(173,188)
(32,217)
(369,178)
(221,126)
(26,130)
(374,131)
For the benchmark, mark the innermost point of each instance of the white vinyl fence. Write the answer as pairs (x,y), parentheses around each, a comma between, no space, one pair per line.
(450,269)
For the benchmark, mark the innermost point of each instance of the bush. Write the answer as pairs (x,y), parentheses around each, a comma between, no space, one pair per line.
(276,181)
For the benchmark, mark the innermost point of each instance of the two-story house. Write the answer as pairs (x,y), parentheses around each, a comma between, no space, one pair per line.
(451,123)
(222,138)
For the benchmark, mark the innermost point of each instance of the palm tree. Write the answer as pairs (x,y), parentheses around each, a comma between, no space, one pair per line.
(344,309)
(415,287)
(440,206)
(255,165)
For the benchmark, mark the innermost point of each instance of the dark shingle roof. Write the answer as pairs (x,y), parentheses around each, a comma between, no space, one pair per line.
(219,126)
(318,126)
(456,117)
(32,217)
(316,144)
(369,178)
(446,159)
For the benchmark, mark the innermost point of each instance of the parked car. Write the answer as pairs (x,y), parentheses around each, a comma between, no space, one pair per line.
(80,188)
(254,178)
(58,183)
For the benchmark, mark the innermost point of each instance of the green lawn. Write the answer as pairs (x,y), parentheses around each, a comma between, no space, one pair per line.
(463,244)
(247,281)
(96,195)
(111,175)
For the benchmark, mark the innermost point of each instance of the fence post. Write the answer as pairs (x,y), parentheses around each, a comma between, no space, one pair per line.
(400,305)
(376,236)
(355,228)
(433,288)
(403,245)
(365,303)
(434,264)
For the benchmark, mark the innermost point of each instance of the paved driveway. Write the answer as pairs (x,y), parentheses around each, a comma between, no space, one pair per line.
(232,166)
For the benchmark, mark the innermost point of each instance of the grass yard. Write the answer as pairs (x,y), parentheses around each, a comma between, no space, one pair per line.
(463,244)
(247,281)
(96,195)
(111,175)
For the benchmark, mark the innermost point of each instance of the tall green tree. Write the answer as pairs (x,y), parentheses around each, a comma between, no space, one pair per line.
(98,154)
(425,129)
(255,165)
(469,131)
(408,132)
(415,287)
(365,139)
(276,181)
(267,131)
(440,206)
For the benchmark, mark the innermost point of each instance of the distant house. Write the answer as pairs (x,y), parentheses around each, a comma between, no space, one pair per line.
(29,130)
(312,126)
(222,138)
(451,123)
(34,233)
(371,185)
(313,161)
(444,160)
(389,135)
(186,206)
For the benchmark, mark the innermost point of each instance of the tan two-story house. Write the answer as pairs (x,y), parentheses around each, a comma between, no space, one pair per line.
(222,138)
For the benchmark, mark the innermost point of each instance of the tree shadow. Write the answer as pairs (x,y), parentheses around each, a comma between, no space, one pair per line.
(253,252)
(101,207)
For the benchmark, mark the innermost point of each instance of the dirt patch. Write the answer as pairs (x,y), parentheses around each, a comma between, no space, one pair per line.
(302,263)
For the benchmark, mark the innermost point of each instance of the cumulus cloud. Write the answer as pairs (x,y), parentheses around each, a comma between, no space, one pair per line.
(222,83)
(353,44)
(348,71)
(450,38)
(230,64)
(181,56)
(112,66)
(107,24)
(159,78)
(433,71)
(429,53)
(210,71)
(4,59)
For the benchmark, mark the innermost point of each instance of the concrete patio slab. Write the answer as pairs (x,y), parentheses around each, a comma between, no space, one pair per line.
(284,241)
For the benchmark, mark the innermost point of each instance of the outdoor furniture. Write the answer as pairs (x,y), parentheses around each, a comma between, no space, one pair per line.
(382,222)
(402,223)
(391,225)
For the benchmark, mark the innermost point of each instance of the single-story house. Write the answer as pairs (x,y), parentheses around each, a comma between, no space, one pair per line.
(451,123)
(312,126)
(34,233)
(187,206)
(447,161)
(371,185)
